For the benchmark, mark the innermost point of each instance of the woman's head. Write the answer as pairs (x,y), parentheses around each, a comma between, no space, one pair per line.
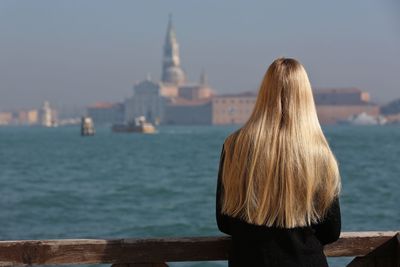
(279,169)
(285,97)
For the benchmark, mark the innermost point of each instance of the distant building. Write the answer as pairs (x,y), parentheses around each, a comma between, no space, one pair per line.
(391,111)
(22,117)
(391,108)
(180,111)
(338,104)
(196,91)
(333,105)
(46,115)
(6,118)
(33,116)
(27,117)
(104,113)
(232,108)
(147,101)
(341,96)
(172,100)
(332,114)
(172,72)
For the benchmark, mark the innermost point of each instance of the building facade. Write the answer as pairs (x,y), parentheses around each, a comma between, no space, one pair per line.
(333,114)
(333,105)
(338,104)
(172,100)
(6,118)
(106,113)
(341,96)
(183,112)
(232,108)
(147,101)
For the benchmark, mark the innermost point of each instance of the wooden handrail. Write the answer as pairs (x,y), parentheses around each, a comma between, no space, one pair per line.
(117,251)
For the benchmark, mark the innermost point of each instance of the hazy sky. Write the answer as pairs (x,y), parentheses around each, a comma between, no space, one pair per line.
(78,52)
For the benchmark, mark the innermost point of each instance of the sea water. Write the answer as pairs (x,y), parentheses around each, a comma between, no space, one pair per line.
(56,184)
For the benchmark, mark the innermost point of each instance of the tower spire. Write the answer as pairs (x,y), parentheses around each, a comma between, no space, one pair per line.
(203,77)
(171,36)
(171,70)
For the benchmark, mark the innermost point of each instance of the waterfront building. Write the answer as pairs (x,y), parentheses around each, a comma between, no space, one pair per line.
(147,100)
(172,100)
(33,116)
(338,104)
(192,105)
(391,108)
(333,105)
(196,91)
(232,108)
(6,118)
(341,96)
(391,111)
(180,111)
(332,114)
(103,113)
(47,115)
(20,117)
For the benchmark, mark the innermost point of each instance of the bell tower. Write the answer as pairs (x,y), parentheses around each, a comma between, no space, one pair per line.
(172,73)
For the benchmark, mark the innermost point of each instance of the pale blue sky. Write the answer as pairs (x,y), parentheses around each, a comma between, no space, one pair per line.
(77,52)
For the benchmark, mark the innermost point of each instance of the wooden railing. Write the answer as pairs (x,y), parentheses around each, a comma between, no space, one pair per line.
(156,252)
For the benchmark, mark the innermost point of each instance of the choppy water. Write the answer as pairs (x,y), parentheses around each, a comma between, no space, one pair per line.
(56,184)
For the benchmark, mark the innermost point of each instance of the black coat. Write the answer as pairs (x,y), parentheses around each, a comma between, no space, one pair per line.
(261,246)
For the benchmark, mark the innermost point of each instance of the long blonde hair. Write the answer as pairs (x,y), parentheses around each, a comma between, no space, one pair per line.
(278,168)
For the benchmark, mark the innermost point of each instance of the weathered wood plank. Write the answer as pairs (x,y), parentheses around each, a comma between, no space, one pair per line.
(352,244)
(140,265)
(92,251)
(33,252)
(386,255)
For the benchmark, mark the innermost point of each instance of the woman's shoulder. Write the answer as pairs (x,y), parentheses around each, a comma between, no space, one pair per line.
(231,138)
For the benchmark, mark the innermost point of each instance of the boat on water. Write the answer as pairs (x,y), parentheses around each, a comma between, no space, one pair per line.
(87,126)
(364,119)
(139,125)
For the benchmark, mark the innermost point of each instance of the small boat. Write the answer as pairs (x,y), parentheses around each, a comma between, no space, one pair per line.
(364,119)
(87,126)
(139,125)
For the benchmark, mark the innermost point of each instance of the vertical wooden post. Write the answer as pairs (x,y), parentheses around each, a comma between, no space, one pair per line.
(386,255)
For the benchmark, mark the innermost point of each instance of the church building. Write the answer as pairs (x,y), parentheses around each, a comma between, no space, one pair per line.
(173,100)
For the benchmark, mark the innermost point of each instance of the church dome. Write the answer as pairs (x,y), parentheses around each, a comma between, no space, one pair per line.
(174,75)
